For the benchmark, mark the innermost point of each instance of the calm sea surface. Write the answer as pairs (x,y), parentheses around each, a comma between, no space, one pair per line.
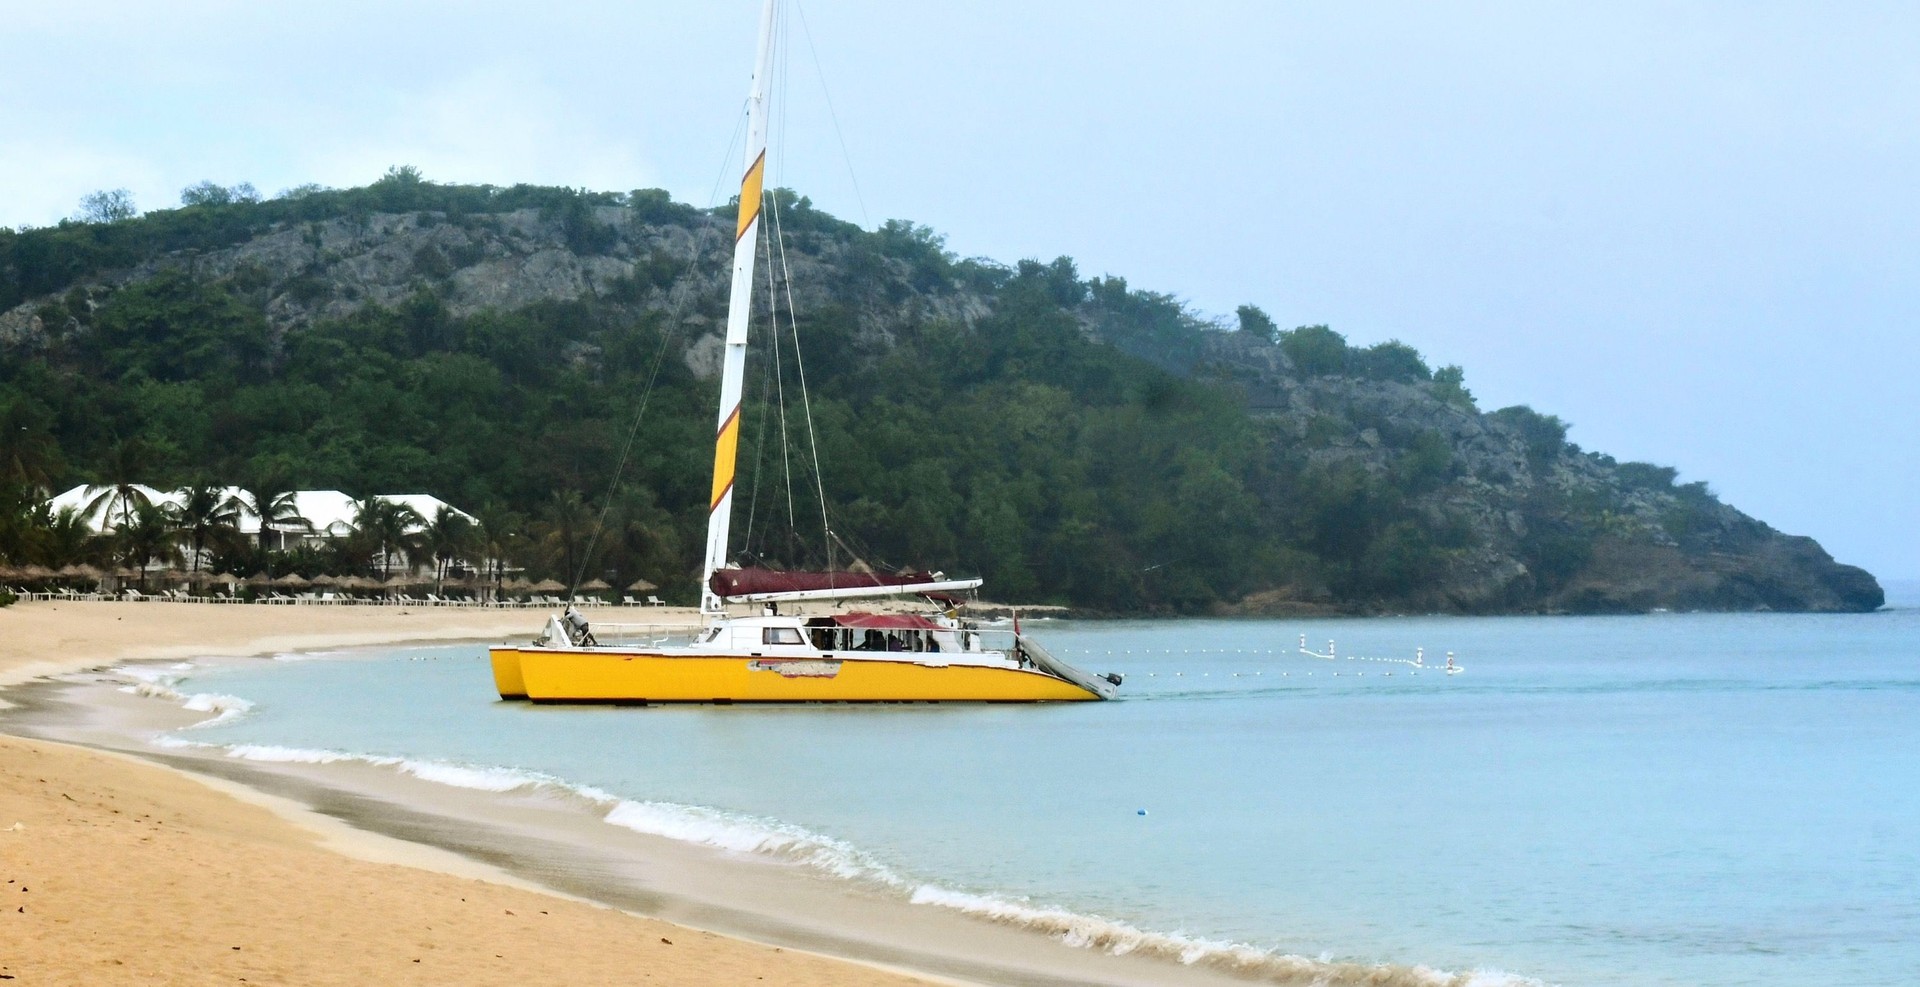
(1667,799)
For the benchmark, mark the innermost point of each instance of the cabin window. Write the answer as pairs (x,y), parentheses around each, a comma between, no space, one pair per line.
(780,635)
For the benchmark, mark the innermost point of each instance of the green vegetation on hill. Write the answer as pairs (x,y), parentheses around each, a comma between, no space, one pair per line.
(1072,440)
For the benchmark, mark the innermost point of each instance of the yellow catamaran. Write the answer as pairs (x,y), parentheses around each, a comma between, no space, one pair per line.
(767,656)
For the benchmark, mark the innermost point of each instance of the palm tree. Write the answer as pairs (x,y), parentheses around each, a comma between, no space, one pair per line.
(208,517)
(448,536)
(67,538)
(149,535)
(390,526)
(494,537)
(127,463)
(565,525)
(273,501)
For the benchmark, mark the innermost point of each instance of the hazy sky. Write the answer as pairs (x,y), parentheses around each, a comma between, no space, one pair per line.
(1692,230)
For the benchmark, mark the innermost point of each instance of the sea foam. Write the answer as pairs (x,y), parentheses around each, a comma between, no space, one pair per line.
(740,833)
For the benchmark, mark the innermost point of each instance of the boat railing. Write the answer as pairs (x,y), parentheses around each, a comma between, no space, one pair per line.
(990,638)
(607,632)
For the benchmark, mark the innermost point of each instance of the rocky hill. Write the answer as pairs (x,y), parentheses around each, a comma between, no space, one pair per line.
(1075,440)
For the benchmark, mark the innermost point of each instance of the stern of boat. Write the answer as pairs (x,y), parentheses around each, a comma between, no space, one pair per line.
(506,672)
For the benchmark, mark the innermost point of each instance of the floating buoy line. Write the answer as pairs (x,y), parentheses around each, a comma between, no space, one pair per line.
(1418,663)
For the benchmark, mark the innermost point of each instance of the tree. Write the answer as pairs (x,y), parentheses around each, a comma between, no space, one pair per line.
(205,194)
(1257,322)
(1449,385)
(449,536)
(1391,360)
(149,535)
(120,496)
(389,527)
(210,194)
(208,517)
(106,206)
(29,455)
(271,499)
(564,527)
(495,536)
(1315,350)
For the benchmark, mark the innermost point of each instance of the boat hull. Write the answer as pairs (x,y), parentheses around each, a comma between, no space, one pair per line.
(506,673)
(610,676)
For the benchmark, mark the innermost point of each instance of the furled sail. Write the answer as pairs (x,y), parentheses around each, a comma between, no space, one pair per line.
(772,584)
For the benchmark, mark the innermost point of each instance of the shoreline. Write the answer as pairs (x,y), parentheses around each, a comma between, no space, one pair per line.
(100,905)
(765,912)
(785,922)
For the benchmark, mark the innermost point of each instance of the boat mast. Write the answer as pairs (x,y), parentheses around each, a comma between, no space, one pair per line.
(734,361)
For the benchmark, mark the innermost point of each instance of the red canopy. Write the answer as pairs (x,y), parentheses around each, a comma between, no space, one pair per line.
(886,621)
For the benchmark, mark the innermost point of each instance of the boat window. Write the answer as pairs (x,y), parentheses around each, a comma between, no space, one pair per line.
(780,635)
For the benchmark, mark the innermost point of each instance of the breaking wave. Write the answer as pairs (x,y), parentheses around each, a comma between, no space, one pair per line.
(155,682)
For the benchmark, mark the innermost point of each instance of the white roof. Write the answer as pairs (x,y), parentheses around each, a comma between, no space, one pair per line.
(105,514)
(427,505)
(329,512)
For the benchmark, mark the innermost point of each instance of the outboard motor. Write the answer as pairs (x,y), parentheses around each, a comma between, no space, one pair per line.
(1115,677)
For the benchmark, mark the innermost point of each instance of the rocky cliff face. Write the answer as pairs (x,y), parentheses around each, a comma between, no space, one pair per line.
(1454,509)
(1533,523)
(302,273)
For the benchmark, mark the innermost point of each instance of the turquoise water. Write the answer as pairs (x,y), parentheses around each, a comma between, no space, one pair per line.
(1667,799)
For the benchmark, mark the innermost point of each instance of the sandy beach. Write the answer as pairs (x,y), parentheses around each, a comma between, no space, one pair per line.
(120,871)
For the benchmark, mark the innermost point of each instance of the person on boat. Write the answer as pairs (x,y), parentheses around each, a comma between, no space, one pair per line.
(577,627)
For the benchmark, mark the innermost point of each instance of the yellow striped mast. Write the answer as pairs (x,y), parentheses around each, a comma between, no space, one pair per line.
(734,362)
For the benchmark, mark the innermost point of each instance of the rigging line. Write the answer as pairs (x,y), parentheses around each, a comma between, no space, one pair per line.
(759,455)
(775,241)
(780,378)
(806,399)
(827,93)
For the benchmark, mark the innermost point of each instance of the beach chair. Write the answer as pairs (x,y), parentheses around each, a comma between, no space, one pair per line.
(179,596)
(628,601)
(654,601)
(133,595)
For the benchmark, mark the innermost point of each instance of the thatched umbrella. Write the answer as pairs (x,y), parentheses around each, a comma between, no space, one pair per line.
(10,572)
(548,586)
(198,577)
(362,582)
(642,586)
(518,584)
(325,580)
(597,585)
(292,580)
(36,572)
(259,579)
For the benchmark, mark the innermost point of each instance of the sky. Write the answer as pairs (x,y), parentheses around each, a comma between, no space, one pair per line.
(1692,230)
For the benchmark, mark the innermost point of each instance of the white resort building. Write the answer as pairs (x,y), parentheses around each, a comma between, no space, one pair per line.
(328,514)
